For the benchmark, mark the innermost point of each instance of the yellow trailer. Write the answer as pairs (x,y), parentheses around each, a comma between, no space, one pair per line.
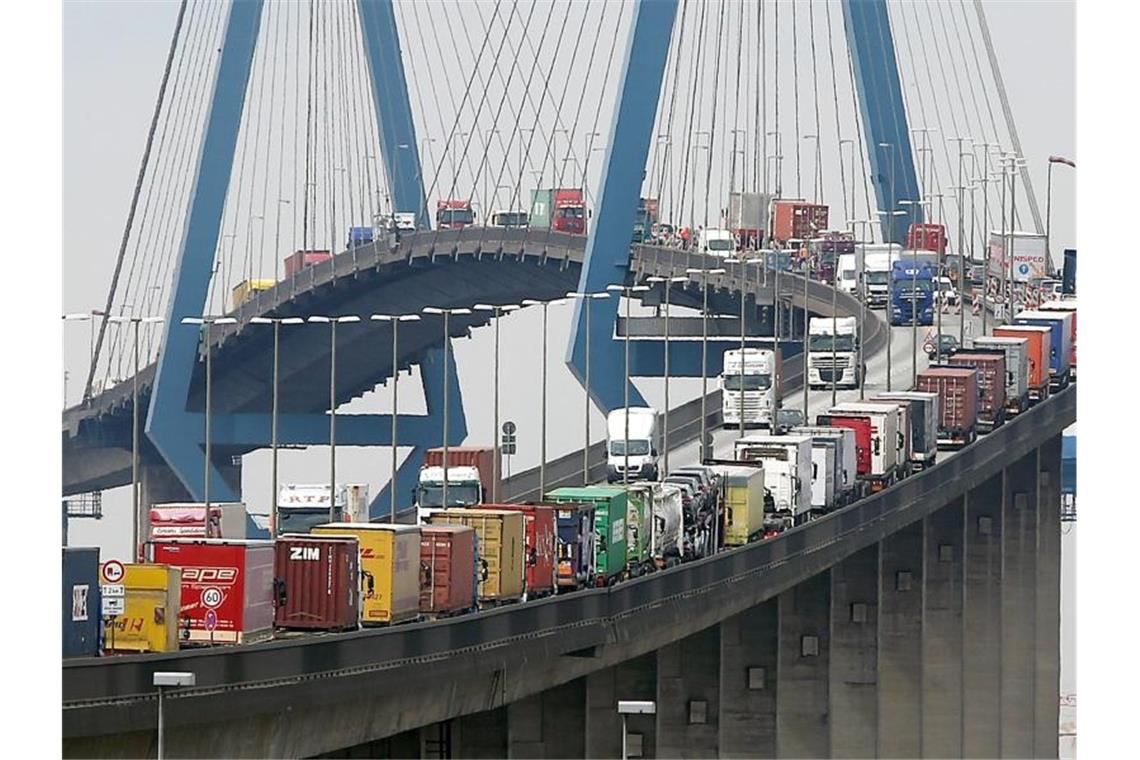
(389,569)
(149,623)
(501,549)
(245,289)
(743,503)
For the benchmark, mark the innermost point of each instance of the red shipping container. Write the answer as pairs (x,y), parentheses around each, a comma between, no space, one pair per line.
(957,388)
(302,259)
(479,457)
(316,582)
(863,432)
(447,568)
(798,220)
(1040,340)
(991,384)
(926,237)
(541,526)
(227,588)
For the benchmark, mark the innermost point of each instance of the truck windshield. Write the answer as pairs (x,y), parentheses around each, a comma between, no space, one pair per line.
(823,343)
(877,278)
(300,520)
(720,245)
(571,212)
(906,286)
(636,448)
(511,219)
(751,382)
(458,495)
(455,216)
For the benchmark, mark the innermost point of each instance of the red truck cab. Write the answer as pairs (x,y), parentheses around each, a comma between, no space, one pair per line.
(926,237)
(569,211)
(453,214)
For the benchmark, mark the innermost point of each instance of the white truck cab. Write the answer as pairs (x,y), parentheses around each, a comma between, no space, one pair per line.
(717,242)
(464,489)
(847,273)
(639,450)
(842,366)
(753,373)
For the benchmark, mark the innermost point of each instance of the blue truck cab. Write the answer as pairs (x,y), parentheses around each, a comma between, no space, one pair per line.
(912,292)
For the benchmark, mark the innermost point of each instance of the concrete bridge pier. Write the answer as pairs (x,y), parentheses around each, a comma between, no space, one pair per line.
(1048,649)
(900,642)
(982,620)
(854,656)
(942,644)
(1019,607)
(747,700)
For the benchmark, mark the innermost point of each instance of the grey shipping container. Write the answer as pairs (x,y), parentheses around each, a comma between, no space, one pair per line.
(82,608)
(541,209)
(924,424)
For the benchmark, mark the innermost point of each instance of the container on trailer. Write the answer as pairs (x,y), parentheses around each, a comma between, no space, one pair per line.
(190,520)
(541,530)
(316,582)
(389,568)
(575,544)
(667,539)
(1066,305)
(227,588)
(991,384)
(1040,339)
(541,209)
(502,541)
(481,458)
(299,260)
(447,568)
(638,518)
(926,237)
(904,434)
(888,425)
(957,389)
(876,440)
(846,468)
(152,596)
(823,488)
(743,489)
(860,428)
(1061,341)
(247,288)
(797,219)
(787,469)
(82,605)
(923,425)
(610,509)
(1016,352)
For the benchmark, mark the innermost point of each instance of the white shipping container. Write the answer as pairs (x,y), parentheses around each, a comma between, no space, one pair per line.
(885,445)
(823,475)
(787,469)
(846,461)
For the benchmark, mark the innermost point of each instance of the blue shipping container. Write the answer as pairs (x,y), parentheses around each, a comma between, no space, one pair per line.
(1061,341)
(1069,464)
(82,608)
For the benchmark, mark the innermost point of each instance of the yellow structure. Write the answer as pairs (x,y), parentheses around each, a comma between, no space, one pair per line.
(501,549)
(389,568)
(743,503)
(243,290)
(149,623)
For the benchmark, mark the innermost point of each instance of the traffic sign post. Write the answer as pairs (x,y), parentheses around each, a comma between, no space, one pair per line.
(113,571)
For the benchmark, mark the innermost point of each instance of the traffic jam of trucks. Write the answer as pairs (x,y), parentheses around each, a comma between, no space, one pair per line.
(198,580)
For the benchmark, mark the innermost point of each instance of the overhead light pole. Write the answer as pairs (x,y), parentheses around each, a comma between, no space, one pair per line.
(446,314)
(395,320)
(865,225)
(497,311)
(161,682)
(627,292)
(1049,201)
(704,349)
(206,323)
(332,322)
(542,461)
(890,250)
(587,298)
(914,306)
(668,282)
(273,419)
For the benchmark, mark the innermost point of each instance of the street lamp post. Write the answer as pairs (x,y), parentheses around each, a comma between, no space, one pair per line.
(205,323)
(627,292)
(332,322)
(668,282)
(1049,200)
(395,320)
(891,234)
(166,680)
(273,419)
(864,224)
(913,306)
(497,311)
(704,349)
(446,314)
(542,461)
(586,299)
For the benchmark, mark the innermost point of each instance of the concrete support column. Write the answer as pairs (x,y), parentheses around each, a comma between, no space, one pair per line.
(550,724)
(802,670)
(981,621)
(900,643)
(854,655)
(943,583)
(480,735)
(1048,650)
(633,679)
(688,695)
(747,701)
(1018,608)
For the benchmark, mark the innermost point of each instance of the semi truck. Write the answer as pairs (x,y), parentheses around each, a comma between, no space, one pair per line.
(561,209)
(828,249)
(847,484)
(797,220)
(453,214)
(927,237)
(877,262)
(611,504)
(896,430)
(748,217)
(876,442)
(834,357)
(470,478)
(1040,345)
(645,220)
(1066,305)
(912,292)
(639,449)
(787,471)
(957,389)
(756,374)
(991,384)
(1016,352)
(301,506)
(923,425)
(1060,324)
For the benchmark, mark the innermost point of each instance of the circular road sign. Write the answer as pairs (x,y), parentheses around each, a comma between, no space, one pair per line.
(211,597)
(509,428)
(211,620)
(1023,268)
(113,571)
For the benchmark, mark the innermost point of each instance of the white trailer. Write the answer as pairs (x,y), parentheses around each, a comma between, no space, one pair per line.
(823,490)
(787,468)
(883,465)
(847,484)
(923,424)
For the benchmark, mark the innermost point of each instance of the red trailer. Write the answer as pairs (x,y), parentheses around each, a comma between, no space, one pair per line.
(541,526)
(862,428)
(227,588)
(316,582)
(301,259)
(957,389)
(1040,344)
(447,569)
(991,384)
(797,220)
(926,237)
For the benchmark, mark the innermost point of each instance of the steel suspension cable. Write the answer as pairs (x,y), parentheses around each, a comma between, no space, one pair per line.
(712,127)
(815,97)
(796,97)
(835,103)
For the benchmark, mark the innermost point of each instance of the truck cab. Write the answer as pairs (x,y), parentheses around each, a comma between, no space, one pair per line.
(717,242)
(510,219)
(569,209)
(877,261)
(464,489)
(641,446)
(646,220)
(842,366)
(755,375)
(303,506)
(847,274)
(453,214)
(912,295)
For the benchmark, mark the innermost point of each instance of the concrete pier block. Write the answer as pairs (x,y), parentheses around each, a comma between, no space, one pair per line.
(900,643)
(853,655)
(802,728)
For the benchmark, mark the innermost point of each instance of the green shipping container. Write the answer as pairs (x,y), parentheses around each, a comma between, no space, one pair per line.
(637,530)
(541,209)
(611,505)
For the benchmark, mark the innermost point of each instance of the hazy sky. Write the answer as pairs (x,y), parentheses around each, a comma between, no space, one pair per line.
(113,57)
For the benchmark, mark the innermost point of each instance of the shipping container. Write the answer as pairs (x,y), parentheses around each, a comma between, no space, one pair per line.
(501,537)
(1040,345)
(188,520)
(389,569)
(227,588)
(991,385)
(743,489)
(610,508)
(247,288)
(888,463)
(302,259)
(1067,305)
(541,537)
(82,605)
(1061,342)
(149,623)
(1016,352)
(448,568)
(575,545)
(748,217)
(638,538)
(316,582)
(846,470)
(957,389)
(541,209)
(926,237)
(797,219)
(923,425)
(481,458)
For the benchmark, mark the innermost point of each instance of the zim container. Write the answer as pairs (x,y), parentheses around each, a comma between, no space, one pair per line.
(957,389)
(447,569)
(389,569)
(501,548)
(149,623)
(227,588)
(316,582)
(81,602)
(541,539)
